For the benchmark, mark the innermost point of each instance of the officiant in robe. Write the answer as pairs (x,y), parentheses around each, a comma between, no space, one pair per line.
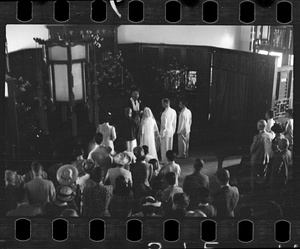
(136,106)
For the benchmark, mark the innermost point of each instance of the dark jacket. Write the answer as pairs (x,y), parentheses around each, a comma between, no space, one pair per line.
(128,129)
(225,201)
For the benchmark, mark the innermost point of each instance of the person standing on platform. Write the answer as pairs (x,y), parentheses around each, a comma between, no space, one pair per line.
(168,128)
(108,132)
(184,130)
(129,130)
(136,105)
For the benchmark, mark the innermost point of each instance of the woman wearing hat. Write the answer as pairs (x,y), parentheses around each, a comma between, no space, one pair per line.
(108,132)
(120,160)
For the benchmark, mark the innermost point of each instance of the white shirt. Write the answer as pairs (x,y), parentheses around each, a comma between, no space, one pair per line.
(135,105)
(185,121)
(168,122)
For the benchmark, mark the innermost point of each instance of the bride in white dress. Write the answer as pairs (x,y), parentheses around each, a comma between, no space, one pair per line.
(148,131)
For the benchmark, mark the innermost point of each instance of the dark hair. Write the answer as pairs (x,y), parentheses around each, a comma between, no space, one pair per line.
(278,128)
(198,164)
(183,102)
(166,101)
(146,149)
(170,155)
(204,194)
(223,176)
(181,199)
(107,117)
(96,175)
(154,163)
(290,112)
(19,193)
(68,212)
(270,113)
(120,145)
(98,138)
(170,178)
(139,153)
(36,166)
(121,186)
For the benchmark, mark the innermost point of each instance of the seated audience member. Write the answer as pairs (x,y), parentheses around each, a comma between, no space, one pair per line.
(226,199)
(83,179)
(179,206)
(171,166)
(146,151)
(289,128)
(156,167)
(172,189)
(149,207)
(29,175)
(203,206)
(246,212)
(260,150)
(78,159)
(101,154)
(120,147)
(279,174)
(195,181)
(278,129)
(122,200)
(39,191)
(23,209)
(69,213)
(65,199)
(141,174)
(270,122)
(96,199)
(121,159)
(10,187)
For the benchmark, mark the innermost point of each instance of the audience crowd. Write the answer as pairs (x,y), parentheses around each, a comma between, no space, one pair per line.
(114,182)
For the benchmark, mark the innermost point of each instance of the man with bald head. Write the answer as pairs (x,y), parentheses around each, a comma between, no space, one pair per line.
(279,174)
(260,150)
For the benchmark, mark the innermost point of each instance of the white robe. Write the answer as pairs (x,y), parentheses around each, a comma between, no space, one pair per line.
(168,128)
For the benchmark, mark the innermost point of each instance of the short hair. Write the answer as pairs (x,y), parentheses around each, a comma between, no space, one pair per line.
(184,102)
(223,176)
(154,163)
(120,145)
(68,212)
(139,153)
(261,124)
(283,144)
(96,175)
(270,113)
(170,155)
(135,91)
(98,138)
(170,178)
(181,200)
(36,166)
(290,112)
(146,149)
(166,101)
(19,194)
(277,128)
(198,164)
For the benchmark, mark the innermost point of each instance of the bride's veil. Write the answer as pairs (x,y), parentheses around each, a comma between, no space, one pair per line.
(147,114)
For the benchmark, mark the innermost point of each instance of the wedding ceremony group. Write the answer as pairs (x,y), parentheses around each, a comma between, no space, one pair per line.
(120,121)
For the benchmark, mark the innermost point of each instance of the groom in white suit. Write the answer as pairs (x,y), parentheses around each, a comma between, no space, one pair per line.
(167,130)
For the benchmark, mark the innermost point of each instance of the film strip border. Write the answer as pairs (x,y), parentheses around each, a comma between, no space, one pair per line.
(228,12)
(135,233)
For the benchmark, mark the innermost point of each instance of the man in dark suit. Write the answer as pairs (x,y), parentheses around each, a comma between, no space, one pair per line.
(226,199)
(136,106)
